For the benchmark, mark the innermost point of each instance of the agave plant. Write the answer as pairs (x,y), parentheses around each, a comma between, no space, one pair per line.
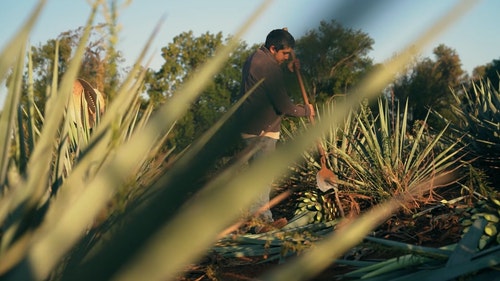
(391,159)
(69,147)
(378,157)
(478,113)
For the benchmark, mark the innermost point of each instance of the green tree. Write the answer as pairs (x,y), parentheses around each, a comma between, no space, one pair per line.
(427,84)
(43,65)
(333,59)
(479,72)
(491,73)
(101,61)
(182,58)
(98,67)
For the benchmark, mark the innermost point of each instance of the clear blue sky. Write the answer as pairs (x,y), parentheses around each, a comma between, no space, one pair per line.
(391,23)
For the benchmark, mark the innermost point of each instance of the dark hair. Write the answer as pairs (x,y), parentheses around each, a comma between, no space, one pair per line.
(280,39)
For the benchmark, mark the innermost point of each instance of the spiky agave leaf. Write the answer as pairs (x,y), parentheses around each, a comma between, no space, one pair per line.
(337,145)
(478,114)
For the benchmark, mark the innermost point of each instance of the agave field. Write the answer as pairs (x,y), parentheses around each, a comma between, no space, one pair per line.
(86,192)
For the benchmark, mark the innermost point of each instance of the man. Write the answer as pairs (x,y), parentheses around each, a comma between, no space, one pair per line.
(264,109)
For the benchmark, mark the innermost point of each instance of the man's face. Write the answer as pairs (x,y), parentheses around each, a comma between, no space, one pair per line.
(281,55)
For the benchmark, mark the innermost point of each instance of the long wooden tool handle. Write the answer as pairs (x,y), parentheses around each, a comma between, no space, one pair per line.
(306,101)
(301,84)
(303,89)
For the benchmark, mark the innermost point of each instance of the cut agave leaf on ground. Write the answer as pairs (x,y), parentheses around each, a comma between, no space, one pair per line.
(467,247)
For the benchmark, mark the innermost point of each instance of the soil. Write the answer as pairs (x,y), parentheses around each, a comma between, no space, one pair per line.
(436,225)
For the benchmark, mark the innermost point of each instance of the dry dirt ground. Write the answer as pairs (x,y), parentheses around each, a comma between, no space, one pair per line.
(435,227)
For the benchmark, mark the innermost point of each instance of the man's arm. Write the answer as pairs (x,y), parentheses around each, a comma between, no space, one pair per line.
(277,93)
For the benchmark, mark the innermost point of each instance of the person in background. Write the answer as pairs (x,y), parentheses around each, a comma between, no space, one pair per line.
(265,107)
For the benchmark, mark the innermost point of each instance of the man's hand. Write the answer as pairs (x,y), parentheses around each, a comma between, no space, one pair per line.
(311,108)
(293,65)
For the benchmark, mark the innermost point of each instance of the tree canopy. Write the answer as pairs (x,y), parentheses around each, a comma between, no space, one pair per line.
(99,66)
(492,71)
(333,58)
(182,58)
(427,84)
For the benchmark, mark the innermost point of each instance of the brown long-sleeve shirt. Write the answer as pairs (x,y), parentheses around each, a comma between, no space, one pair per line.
(264,108)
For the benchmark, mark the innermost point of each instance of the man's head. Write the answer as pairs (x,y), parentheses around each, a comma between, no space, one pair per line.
(280,43)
